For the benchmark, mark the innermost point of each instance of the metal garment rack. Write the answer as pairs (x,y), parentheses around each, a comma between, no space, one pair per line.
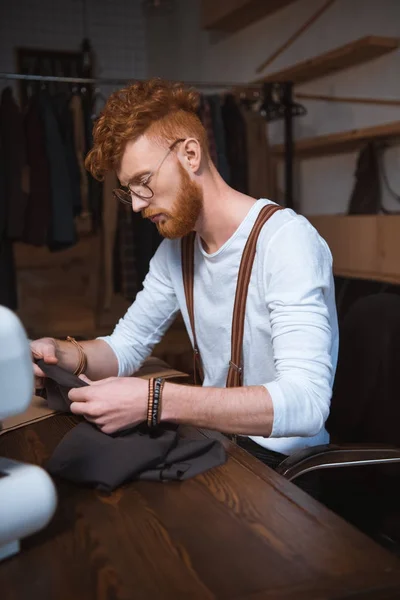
(287,114)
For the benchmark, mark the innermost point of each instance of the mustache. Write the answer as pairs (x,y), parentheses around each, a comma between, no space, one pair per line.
(147,213)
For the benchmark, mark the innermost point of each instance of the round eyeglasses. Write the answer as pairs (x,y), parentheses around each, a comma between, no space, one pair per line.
(140,188)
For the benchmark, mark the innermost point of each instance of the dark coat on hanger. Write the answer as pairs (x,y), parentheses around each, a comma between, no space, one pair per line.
(366,195)
(236,144)
(62,227)
(38,211)
(13,141)
(8,284)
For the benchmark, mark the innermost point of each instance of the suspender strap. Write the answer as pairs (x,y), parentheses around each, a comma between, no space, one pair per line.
(188,284)
(235,373)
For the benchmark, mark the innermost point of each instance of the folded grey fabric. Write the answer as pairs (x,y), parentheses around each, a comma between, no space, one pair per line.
(57,385)
(86,455)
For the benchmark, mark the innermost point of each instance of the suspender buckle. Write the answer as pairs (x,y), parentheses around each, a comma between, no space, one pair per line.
(238,369)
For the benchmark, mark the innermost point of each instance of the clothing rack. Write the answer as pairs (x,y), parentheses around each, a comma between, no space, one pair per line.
(117,81)
(259,89)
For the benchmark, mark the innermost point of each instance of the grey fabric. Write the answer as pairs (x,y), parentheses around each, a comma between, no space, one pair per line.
(87,456)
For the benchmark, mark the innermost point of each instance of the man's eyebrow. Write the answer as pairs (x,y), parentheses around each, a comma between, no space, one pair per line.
(138,176)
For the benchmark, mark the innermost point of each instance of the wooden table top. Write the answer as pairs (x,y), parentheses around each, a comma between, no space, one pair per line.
(236,532)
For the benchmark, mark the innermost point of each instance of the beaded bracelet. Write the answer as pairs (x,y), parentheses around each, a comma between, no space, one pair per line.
(156,408)
(150,402)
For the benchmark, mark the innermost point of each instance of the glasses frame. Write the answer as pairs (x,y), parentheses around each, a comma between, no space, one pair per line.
(124,193)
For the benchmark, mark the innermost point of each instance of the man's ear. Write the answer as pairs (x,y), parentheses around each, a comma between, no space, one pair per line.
(191,154)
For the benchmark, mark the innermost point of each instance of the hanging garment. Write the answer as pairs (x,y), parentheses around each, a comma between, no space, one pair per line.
(260,167)
(236,143)
(110,219)
(64,117)
(219,136)
(13,142)
(95,188)
(366,195)
(79,140)
(86,455)
(8,284)
(146,240)
(129,278)
(38,210)
(206,119)
(62,228)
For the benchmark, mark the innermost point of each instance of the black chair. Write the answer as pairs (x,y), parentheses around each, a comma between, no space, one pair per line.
(364,423)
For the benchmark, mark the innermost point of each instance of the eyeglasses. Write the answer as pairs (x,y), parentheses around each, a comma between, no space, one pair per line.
(141,189)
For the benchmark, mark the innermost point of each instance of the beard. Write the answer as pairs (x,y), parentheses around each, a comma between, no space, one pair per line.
(185,212)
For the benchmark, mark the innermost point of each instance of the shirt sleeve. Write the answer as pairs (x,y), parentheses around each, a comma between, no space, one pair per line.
(146,321)
(298,280)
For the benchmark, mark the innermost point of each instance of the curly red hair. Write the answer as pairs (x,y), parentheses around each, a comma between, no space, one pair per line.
(163,109)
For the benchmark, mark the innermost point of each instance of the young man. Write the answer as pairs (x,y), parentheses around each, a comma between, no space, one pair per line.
(149,133)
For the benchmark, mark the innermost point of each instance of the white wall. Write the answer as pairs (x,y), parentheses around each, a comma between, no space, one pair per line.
(115,28)
(179,49)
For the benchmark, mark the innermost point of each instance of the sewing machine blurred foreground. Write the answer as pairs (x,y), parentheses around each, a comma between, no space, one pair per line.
(27,494)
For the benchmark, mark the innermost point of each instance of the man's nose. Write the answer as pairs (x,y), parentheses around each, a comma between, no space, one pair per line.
(138,204)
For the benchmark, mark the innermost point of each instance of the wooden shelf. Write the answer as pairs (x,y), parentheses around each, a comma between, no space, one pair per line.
(362,246)
(354,53)
(344,141)
(233,15)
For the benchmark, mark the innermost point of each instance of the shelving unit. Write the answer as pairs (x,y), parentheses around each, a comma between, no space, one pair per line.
(362,246)
(344,141)
(232,15)
(349,55)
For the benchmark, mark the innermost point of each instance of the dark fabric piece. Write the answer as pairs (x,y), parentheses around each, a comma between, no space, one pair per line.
(38,210)
(219,136)
(365,406)
(86,455)
(8,284)
(62,228)
(366,194)
(236,143)
(58,384)
(13,141)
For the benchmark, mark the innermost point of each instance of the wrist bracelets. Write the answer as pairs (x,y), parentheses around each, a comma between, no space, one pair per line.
(156,387)
(82,364)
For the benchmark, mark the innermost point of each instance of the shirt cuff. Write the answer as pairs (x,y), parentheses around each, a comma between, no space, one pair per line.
(278,403)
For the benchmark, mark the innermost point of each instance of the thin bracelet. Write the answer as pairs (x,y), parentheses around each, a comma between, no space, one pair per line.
(82,364)
(155,415)
(160,402)
(150,401)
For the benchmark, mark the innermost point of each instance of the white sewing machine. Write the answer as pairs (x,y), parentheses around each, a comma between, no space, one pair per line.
(27,494)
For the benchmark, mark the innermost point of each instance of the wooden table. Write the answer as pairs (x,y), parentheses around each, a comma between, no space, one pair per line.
(239,531)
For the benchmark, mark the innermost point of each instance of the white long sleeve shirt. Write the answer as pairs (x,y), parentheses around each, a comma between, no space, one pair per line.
(290,340)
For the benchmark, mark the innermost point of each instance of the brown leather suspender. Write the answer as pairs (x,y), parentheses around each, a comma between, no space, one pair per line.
(188,282)
(235,374)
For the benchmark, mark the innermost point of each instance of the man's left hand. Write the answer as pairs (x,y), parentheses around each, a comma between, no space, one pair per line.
(111,404)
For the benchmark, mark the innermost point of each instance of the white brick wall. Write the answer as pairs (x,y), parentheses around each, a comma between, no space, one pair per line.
(115,28)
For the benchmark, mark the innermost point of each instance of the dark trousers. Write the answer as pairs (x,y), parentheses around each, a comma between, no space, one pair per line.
(268,457)
(310,482)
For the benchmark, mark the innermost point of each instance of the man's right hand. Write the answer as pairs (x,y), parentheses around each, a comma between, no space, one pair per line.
(45,348)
